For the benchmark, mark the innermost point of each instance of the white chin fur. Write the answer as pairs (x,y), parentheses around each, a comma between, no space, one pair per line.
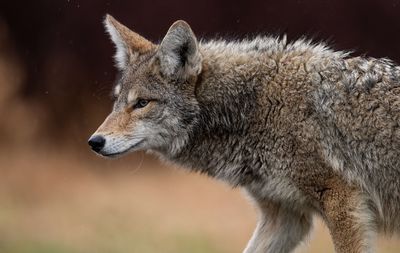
(117,145)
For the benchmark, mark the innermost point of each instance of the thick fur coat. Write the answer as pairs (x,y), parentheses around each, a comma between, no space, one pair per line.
(303,129)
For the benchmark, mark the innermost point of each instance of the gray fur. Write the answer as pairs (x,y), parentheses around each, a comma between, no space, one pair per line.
(304,129)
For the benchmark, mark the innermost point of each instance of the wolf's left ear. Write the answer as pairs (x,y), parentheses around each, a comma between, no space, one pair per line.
(129,45)
(178,53)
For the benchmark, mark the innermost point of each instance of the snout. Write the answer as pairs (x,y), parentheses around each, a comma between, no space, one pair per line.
(97,142)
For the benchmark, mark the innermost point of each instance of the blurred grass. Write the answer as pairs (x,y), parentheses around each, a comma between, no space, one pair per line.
(173,244)
(34,247)
(62,201)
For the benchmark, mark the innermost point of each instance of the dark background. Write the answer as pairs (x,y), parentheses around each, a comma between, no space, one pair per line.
(66,58)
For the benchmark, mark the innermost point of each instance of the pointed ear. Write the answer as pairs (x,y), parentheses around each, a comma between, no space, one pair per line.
(178,52)
(129,45)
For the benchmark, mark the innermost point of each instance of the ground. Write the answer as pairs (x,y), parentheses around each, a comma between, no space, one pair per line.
(75,202)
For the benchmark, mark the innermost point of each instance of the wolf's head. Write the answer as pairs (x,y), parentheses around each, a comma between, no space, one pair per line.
(155,106)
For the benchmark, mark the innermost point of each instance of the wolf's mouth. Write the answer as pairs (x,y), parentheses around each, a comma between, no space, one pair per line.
(117,154)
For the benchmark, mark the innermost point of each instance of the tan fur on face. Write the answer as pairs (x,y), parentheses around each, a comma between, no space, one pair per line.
(115,123)
(123,122)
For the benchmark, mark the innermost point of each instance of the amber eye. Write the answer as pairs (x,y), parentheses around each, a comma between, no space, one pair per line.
(141,103)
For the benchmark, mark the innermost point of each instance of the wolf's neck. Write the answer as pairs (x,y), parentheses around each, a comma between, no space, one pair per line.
(228,91)
(241,92)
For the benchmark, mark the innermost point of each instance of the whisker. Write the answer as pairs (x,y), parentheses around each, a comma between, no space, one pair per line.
(135,170)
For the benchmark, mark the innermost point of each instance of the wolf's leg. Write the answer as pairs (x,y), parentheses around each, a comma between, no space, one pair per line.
(279,229)
(350,219)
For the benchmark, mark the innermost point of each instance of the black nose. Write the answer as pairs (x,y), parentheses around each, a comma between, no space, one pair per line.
(97,142)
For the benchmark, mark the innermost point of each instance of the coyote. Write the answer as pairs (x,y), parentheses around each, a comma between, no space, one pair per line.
(303,129)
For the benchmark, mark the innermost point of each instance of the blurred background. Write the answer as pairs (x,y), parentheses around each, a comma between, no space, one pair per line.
(56,74)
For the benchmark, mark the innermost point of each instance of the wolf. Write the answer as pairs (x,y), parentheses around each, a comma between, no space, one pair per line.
(305,130)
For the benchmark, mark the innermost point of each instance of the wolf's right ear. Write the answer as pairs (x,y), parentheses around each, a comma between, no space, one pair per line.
(179,53)
(129,45)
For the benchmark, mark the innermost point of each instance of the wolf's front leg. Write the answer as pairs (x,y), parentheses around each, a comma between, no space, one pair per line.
(350,219)
(279,229)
